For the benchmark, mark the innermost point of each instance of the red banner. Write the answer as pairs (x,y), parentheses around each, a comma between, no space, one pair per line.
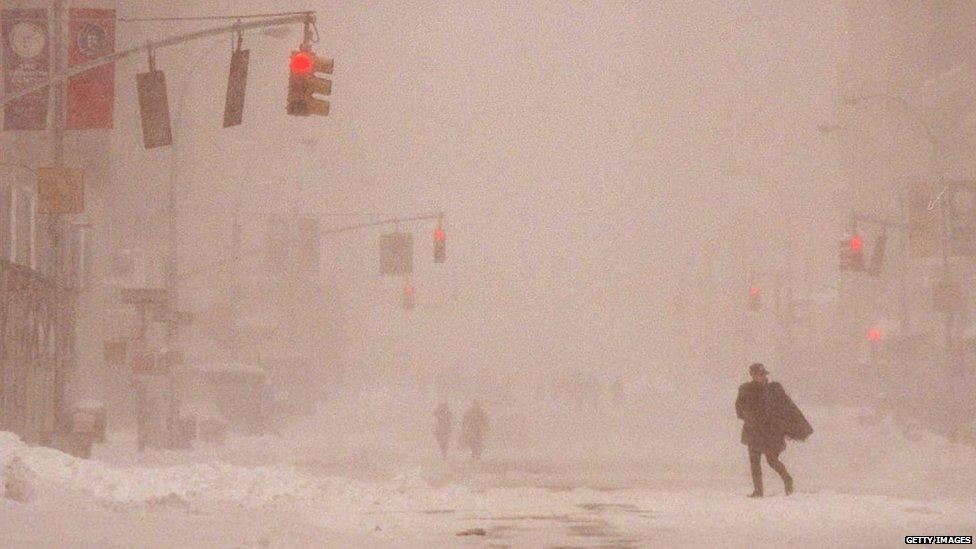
(26,61)
(91,95)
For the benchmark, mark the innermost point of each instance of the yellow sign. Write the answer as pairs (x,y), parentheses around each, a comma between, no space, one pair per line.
(60,191)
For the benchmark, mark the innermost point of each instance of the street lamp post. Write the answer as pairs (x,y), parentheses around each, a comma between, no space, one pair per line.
(172,260)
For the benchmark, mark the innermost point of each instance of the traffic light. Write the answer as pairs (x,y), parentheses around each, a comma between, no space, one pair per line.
(408,297)
(440,245)
(852,254)
(755,298)
(304,83)
(875,335)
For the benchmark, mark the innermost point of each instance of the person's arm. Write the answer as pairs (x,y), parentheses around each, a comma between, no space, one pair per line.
(740,411)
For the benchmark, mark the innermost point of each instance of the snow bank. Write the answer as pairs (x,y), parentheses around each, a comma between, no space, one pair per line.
(136,486)
(202,482)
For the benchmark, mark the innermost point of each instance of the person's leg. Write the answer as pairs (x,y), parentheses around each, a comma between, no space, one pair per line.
(773,459)
(756,465)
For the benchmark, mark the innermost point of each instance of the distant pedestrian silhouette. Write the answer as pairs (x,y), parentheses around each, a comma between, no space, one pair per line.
(442,427)
(474,428)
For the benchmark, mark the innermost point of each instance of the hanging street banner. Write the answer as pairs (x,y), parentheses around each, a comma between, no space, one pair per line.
(26,61)
(396,253)
(90,95)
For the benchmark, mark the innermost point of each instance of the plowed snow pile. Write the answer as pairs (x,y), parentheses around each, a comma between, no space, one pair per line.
(138,486)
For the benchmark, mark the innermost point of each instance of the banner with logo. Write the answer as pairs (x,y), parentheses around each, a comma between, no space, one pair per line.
(26,61)
(90,95)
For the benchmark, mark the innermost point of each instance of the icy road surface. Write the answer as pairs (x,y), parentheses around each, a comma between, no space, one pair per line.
(864,486)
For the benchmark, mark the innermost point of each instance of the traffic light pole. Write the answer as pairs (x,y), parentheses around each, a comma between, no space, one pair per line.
(874,220)
(348,228)
(937,161)
(62,356)
(60,75)
(391,221)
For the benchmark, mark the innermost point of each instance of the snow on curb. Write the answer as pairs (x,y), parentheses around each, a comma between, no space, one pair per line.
(201,482)
(139,486)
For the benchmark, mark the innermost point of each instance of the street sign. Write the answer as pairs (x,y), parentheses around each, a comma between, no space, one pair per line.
(236,86)
(143,361)
(947,296)
(877,258)
(144,296)
(181,318)
(154,109)
(961,205)
(924,225)
(278,244)
(170,359)
(308,245)
(114,351)
(396,253)
(60,191)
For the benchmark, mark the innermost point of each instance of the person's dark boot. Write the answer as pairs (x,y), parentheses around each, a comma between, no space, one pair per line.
(756,494)
(788,485)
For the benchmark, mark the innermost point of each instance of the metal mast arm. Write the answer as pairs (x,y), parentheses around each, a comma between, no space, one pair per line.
(307,17)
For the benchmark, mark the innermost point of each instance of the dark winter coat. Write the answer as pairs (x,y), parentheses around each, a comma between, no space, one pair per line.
(474,426)
(770,416)
(443,418)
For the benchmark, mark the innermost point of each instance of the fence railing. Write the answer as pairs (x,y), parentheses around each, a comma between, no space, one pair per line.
(36,334)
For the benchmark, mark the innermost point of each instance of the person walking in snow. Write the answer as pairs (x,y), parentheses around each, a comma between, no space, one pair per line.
(474,427)
(442,427)
(769,416)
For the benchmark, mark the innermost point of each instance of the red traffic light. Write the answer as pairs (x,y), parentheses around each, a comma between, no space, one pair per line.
(754,291)
(439,235)
(856,243)
(408,289)
(302,63)
(875,335)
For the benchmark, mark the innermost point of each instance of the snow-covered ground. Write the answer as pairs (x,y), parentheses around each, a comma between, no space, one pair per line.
(859,485)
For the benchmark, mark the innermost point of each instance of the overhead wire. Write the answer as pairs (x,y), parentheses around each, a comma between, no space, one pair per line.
(166,19)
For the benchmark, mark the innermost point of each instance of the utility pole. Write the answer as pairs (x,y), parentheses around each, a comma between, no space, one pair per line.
(58,56)
(949,316)
(938,163)
(235,278)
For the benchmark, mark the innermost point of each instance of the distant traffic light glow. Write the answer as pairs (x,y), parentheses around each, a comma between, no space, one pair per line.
(754,291)
(856,243)
(439,235)
(875,335)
